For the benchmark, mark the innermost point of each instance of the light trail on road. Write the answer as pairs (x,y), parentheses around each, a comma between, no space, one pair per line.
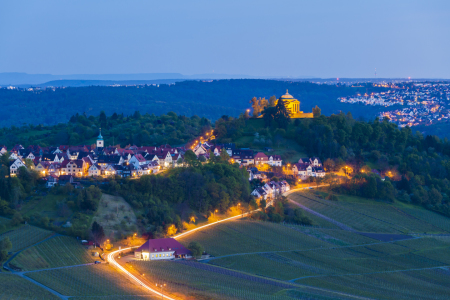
(112,261)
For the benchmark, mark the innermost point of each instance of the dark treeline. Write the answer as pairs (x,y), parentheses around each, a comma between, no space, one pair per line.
(136,129)
(169,199)
(416,167)
(208,99)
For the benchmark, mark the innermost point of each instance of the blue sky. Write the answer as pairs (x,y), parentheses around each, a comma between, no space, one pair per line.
(261,38)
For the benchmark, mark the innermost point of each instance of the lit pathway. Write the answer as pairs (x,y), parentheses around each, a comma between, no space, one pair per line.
(112,261)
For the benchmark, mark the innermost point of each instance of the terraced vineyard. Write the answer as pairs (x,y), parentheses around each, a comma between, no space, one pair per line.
(87,281)
(380,252)
(252,236)
(376,217)
(25,236)
(55,252)
(14,287)
(200,281)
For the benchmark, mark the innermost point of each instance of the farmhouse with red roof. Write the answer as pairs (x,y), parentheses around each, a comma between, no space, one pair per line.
(158,249)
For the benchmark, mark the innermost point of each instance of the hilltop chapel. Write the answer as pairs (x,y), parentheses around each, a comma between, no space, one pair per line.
(293,107)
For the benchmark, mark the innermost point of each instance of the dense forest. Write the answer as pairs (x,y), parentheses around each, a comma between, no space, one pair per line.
(207,99)
(136,129)
(387,162)
(166,200)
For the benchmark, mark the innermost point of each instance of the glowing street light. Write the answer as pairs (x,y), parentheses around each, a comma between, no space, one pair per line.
(161,286)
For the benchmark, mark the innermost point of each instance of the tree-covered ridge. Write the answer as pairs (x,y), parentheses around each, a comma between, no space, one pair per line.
(136,129)
(387,162)
(167,199)
(208,99)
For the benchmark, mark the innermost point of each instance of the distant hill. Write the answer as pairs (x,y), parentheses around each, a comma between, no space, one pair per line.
(16,79)
(205,99)
(78,83)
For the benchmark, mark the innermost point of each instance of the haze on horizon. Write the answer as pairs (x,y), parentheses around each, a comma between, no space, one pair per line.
(323,38)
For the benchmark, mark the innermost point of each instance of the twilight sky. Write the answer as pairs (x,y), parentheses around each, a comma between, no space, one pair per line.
(262,38)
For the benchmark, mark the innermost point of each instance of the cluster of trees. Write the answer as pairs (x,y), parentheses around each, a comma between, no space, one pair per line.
(117,129)
(5,246)
(259,105)
(168,199)
(279,211)
(419,165)
(13,190)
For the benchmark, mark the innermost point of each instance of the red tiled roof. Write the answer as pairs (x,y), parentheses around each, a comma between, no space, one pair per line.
(166,244)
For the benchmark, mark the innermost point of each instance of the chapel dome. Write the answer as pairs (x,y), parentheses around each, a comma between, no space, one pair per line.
(287,96)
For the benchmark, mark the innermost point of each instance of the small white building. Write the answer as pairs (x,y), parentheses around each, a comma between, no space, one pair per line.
(15,165)
(158,249)
(95,170)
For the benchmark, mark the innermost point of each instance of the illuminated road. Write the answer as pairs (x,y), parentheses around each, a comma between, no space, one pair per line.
(112,261)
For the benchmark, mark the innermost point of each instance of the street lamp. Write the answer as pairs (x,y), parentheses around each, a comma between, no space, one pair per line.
(161,286)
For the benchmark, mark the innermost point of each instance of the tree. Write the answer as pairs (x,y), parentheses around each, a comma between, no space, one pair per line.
(97,232)
(196,249)
(370,187)
(262,204)
(5,246)
(102,119)
(191,159)
(256,107)
(272,101)
(329,165)
(316,111)
(282,117)
(16,219)
(224,155)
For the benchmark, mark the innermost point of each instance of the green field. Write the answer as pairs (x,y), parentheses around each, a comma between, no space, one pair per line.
(42,205)
(87,281)
(25,236)
(369,216)
(326,257)
(56,252)
(252,236)
(199,281)
(14,287)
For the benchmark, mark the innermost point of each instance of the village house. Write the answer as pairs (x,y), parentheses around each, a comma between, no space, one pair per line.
(243,157)
(162,249)
(275,160)
(254,173)
(308,167)
(271,189)
(76,168)
(94,170)
(65,179)
(137,160)
(261,158)
(54,168)
(52,180)
(15,165)
(42,167)
(3,149)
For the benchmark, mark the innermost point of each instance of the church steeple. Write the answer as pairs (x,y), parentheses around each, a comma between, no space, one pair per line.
(100,142)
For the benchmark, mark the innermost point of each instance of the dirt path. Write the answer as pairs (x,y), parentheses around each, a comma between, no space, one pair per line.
(339,224)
